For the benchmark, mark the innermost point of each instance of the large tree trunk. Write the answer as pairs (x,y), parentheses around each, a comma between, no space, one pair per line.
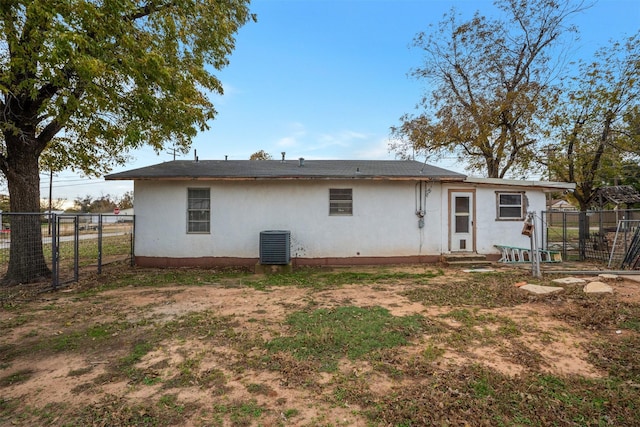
(26,257)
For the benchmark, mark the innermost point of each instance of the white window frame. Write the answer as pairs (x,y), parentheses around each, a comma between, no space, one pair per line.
(500,206)
(340,202)
(206,208)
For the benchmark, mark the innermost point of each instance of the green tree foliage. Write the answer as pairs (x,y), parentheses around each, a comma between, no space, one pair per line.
(56,205)
(597,122)
(125,201)
(261,155)
(84,81)
(630,175)
(490,81)
(4,203)
(87,204)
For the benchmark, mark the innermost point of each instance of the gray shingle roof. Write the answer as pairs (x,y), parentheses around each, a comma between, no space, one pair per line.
(289,169)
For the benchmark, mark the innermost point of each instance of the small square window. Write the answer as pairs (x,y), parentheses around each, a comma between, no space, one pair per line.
(340,201)
(198,210)
(510,206)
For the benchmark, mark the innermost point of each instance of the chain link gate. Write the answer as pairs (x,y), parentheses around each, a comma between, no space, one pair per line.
(61,255)
(87,242)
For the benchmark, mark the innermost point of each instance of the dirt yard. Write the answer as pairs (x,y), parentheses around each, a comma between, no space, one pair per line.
(201,348)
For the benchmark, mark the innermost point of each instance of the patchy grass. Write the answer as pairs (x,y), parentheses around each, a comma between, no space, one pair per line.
(240,413)
(477,396)
(118,411)
(473,326)
(617,357)
(327,335)
(319,347)
(485,290)
(601,313)
(16,377)
(321,279)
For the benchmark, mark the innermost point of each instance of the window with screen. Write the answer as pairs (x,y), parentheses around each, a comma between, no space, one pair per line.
(510,206)
(340,201)
(198,210)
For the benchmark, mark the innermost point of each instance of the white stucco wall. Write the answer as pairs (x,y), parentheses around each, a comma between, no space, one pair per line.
(490,230)
(383,221)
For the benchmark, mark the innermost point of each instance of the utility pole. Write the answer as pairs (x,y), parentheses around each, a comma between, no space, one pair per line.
(173,150)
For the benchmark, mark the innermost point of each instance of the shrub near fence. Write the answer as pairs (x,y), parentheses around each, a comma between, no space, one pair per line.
(73,243)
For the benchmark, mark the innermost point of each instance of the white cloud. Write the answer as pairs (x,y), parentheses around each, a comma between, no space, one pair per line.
(295,132)
(230,89)
(343,138)
(229,92)
(344,144)
(287,142)
(377,151)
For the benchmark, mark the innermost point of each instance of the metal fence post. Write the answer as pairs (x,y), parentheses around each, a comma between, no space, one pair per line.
(133,239)
(544,229)
(100,244)
(76,247)
(55,279)
(564,236)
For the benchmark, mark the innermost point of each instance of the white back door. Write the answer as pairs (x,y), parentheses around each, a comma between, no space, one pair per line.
(461,221)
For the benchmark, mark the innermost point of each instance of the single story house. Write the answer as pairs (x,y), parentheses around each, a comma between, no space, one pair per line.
(217,212)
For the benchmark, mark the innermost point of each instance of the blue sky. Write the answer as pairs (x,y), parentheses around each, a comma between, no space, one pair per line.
(326,79)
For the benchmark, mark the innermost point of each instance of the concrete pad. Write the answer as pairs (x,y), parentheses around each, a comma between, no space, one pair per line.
(632,277)
(479,270)
(569,281)
(606,277)
(597,288)
(541,290)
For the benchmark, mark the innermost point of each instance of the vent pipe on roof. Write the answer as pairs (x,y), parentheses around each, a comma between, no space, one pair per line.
(283,153)
(225,157)
(301,160)
(195,156)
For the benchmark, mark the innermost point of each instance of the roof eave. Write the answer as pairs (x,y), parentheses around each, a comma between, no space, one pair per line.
(544,185)
(286,178)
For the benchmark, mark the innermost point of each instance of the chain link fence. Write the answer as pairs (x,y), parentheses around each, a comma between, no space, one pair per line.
(65,246)
(603,236)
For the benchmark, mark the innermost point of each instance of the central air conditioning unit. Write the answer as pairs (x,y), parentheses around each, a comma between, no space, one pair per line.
(275,247)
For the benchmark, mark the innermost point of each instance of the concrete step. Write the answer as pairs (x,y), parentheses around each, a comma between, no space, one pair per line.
(465,260)
(468,263)
(464,257)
